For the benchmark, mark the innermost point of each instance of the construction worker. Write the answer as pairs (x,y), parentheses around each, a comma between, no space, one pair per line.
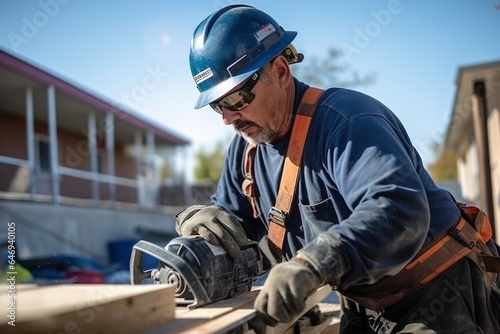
(363,206)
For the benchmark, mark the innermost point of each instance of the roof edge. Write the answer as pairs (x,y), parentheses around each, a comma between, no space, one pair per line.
(36,73)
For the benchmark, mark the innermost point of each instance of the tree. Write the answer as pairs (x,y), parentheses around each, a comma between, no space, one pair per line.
(209,164)
(328,71)
(444,168)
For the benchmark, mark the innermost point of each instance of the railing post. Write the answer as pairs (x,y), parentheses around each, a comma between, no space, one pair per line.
(30,141)
(54,154)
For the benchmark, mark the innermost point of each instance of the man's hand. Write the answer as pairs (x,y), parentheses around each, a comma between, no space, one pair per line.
(213,224)
(285,291)
(290,283)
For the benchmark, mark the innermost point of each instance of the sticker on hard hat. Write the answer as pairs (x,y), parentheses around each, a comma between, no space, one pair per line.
(203,75)
(265,31)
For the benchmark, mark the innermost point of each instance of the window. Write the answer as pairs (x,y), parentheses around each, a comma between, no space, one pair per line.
(101,162)
(42,163)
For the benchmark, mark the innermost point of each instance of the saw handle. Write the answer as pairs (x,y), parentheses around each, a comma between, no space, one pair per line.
(137,274)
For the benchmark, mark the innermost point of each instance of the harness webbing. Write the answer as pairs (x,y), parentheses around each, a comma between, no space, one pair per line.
(466,238)
(291,168)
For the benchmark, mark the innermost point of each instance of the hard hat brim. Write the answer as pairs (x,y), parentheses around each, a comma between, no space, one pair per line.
(225,87)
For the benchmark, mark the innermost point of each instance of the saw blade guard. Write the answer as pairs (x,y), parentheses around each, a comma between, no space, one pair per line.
(201,272)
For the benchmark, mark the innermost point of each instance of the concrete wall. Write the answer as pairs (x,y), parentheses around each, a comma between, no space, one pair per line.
(43,229)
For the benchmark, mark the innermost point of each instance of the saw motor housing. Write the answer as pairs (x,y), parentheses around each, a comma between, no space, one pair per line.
(201,272)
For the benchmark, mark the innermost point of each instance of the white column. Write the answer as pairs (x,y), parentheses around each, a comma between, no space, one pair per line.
(150,138)
(94,169)
(30,140)
(138,162)
(54,154)
(110,154)
(152,184)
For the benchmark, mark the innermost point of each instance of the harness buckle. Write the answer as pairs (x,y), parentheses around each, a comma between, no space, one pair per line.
(278,216)
(457,234)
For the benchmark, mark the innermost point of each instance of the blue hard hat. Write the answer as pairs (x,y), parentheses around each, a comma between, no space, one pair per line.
(230,45)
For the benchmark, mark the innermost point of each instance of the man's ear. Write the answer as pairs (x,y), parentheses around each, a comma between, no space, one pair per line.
(282,71)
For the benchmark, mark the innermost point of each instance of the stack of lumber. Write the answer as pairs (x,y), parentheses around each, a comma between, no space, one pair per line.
(233,315)
(146,309)
(82,308)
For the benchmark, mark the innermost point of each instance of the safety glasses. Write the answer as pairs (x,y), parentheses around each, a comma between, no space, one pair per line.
(239,99)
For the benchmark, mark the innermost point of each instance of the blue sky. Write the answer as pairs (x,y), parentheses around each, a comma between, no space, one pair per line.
(414,49)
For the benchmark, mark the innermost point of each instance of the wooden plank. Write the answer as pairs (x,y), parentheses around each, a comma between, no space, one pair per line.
(318,296)
(130,308)
(333,310)
(226,315)
(330,321)
(332,328)
(4,288)
(92,308)
(192,321)
(226,322)
(330,308)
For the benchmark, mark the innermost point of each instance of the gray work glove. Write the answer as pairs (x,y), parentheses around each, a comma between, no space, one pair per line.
(213,224)
(289,283)
(285,292)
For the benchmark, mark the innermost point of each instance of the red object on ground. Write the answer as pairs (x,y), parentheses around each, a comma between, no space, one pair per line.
(86,276)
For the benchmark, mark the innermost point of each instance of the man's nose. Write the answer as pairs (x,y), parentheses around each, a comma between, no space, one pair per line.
(229,116)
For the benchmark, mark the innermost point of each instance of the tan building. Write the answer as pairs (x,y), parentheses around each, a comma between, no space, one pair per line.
(77,169)
(474,134)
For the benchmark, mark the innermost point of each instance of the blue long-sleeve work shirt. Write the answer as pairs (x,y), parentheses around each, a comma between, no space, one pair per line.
(361,180)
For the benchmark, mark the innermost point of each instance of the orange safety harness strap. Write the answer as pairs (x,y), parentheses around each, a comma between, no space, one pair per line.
(248,186)
(289,176)
(465,238)
(279,213)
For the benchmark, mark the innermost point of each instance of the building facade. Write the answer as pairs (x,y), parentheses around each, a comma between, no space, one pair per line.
(474,135)
(61,143)
(76,170)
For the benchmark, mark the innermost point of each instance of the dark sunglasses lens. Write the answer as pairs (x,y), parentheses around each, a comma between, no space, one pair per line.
(215,106)
(235,101)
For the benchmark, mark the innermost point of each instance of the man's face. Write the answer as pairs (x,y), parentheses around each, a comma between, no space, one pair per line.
(264,119)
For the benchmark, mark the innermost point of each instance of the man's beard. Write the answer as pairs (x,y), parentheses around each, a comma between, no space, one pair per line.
(262,136)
